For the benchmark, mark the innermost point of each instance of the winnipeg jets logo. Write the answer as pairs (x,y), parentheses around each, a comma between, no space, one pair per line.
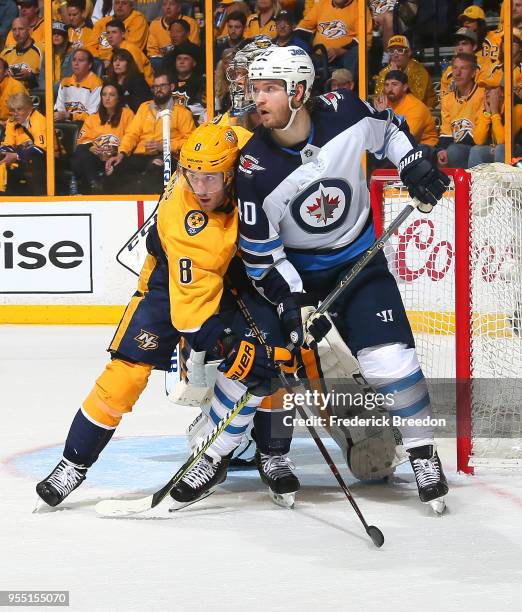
(323,206)
(147,341)
(247,164)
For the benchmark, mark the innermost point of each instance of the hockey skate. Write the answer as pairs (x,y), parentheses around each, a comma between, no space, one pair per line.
(429,475)
(62,481)
(276,471)
(199,482)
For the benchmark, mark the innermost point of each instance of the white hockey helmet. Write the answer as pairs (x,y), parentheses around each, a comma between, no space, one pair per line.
(289,64)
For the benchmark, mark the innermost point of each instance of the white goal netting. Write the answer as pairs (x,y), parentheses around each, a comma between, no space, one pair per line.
(424,256)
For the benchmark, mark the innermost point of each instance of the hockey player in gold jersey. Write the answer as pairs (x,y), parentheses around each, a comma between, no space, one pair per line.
(180,291)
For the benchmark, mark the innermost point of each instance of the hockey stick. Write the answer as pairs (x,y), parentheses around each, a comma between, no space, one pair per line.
(374,532)
(376,247)
(124,507)
(173,375)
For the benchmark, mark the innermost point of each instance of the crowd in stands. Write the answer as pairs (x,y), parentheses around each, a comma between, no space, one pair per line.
(118,63)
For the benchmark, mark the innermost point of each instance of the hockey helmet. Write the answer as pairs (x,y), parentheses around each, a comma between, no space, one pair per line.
(289,64)
(211,149)
(237,74)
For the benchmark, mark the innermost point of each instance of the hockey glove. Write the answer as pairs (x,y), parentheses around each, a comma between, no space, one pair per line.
(255,366)
(423,180)
(294,312)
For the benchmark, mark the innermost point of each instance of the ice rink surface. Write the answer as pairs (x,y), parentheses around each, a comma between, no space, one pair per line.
(235,550)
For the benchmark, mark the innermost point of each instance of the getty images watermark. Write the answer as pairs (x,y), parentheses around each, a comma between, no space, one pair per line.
(358,401)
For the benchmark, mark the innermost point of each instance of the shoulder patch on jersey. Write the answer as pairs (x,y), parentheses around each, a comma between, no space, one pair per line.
(195,221)
(323,206)
(247,164)
(332,98)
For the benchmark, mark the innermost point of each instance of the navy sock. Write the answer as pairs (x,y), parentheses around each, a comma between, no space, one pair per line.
(272,431)
(85,441)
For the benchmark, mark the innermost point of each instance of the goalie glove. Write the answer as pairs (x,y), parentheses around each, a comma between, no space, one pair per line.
(255,366)
(296,313)
(423,180)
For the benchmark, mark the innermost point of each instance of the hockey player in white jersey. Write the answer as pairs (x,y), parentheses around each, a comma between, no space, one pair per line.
(305,219)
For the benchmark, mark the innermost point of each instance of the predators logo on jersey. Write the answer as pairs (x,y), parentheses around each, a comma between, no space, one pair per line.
(333,29)
(195,221)
(462,129)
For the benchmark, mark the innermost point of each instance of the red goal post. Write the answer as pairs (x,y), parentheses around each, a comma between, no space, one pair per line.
(459,271)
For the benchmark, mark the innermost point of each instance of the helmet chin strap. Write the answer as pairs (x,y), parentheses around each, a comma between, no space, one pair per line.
(293,113)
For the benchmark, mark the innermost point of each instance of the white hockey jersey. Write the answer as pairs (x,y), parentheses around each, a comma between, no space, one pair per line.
(307,208)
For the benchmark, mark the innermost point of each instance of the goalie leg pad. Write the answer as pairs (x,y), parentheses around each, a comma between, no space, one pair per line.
(116,391)
(394,371)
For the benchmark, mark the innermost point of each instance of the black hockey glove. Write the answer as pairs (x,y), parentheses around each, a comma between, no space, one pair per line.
(423,180)
(255,366)
(294,312)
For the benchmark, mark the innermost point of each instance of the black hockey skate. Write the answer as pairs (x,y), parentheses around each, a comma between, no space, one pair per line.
(199,482)
(429,475)
(62,481)
(276,471)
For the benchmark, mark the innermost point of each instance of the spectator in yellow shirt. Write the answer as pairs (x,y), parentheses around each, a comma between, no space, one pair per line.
(223,10)
(116,37)
(22,151)
(382,15)
(159,42)
(79,94)
(141,148)
(136,27)
(418,116)
(419,81)
(333,23)
(30,14)
(100,138)
(80,36)
(263,20)
(8,87)
(461,112)
(466,42)
(474,18)
(493,124)
(24,58)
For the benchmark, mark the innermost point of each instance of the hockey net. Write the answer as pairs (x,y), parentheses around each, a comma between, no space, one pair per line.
(459,270)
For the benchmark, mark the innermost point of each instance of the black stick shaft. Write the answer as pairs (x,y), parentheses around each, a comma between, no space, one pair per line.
(372,531)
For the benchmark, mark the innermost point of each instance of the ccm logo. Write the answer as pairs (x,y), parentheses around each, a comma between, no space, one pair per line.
(32,255)
(243,364)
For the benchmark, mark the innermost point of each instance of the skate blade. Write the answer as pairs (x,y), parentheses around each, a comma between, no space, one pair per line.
(180,505)
(40,505)
(285,500)
(438,505)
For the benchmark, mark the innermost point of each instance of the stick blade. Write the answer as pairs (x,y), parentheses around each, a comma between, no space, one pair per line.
(123,507)
(376,535)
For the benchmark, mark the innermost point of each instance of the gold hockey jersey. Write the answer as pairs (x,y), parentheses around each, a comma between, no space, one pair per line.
(199,246)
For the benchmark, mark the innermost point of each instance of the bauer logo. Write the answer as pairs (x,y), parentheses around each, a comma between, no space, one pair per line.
(46,253)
